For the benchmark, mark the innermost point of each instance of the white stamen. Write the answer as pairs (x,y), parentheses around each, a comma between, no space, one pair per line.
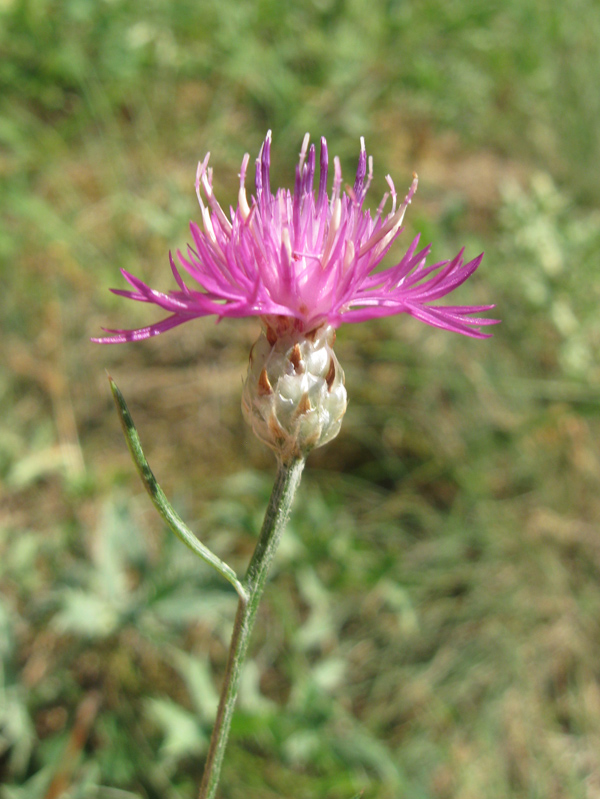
(389,229)
(334,224)
(242,198)
(348,255)
(208,225)
(204,181)
(285,240)
(243,203)
(205,178)
(199,177)
(337,180)
(381,205)
(207,182)
(390,183)
(304,149)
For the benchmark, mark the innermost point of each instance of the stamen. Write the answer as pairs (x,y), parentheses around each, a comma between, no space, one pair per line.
(390,228)
(349,255)
(390,183)
(199,176)
(310,170)
(266,164)
(352,194)
(258,174)
(285,240)
(381,205)
(337,181)
(334,224)
(242,198)
(361,169)
(208,225)
(323,170)
(206,180)
(304,149)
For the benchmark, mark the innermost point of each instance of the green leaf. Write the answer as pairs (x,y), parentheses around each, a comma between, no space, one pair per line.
(199,682)
(86,614)
(183,735)
(34,788)
(161,503)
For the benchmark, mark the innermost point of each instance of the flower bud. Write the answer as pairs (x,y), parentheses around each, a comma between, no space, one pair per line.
(294,397)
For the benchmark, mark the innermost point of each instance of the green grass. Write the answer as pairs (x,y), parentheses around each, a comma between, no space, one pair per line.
(431,627)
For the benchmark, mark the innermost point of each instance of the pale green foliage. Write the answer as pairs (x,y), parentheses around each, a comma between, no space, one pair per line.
(559,249)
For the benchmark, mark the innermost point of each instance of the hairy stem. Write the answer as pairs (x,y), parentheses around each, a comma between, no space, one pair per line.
(278,511)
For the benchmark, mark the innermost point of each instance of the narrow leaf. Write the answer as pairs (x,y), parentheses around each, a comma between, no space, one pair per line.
(161,503)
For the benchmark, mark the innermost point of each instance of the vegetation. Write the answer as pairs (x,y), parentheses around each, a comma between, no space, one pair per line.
(431,629)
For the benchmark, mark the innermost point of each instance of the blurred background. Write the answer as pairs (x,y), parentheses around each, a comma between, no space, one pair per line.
(432,626)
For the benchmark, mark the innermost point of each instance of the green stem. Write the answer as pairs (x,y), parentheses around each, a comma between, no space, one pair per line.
(278,511)
(249,589)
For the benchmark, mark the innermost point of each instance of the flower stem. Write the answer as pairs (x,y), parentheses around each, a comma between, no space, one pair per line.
(278,511)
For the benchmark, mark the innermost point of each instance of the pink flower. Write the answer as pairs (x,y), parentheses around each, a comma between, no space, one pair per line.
(304,259)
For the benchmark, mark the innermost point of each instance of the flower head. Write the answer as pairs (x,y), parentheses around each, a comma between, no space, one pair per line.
(294,396)
(304,259)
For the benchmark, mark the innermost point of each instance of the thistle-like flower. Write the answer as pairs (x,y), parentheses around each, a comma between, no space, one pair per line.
(304,263)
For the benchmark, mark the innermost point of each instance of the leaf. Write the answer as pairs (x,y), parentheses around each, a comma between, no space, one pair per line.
(182,733)
(199,682)
(86,614)
(34,788)
(160,501)
(16,729)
